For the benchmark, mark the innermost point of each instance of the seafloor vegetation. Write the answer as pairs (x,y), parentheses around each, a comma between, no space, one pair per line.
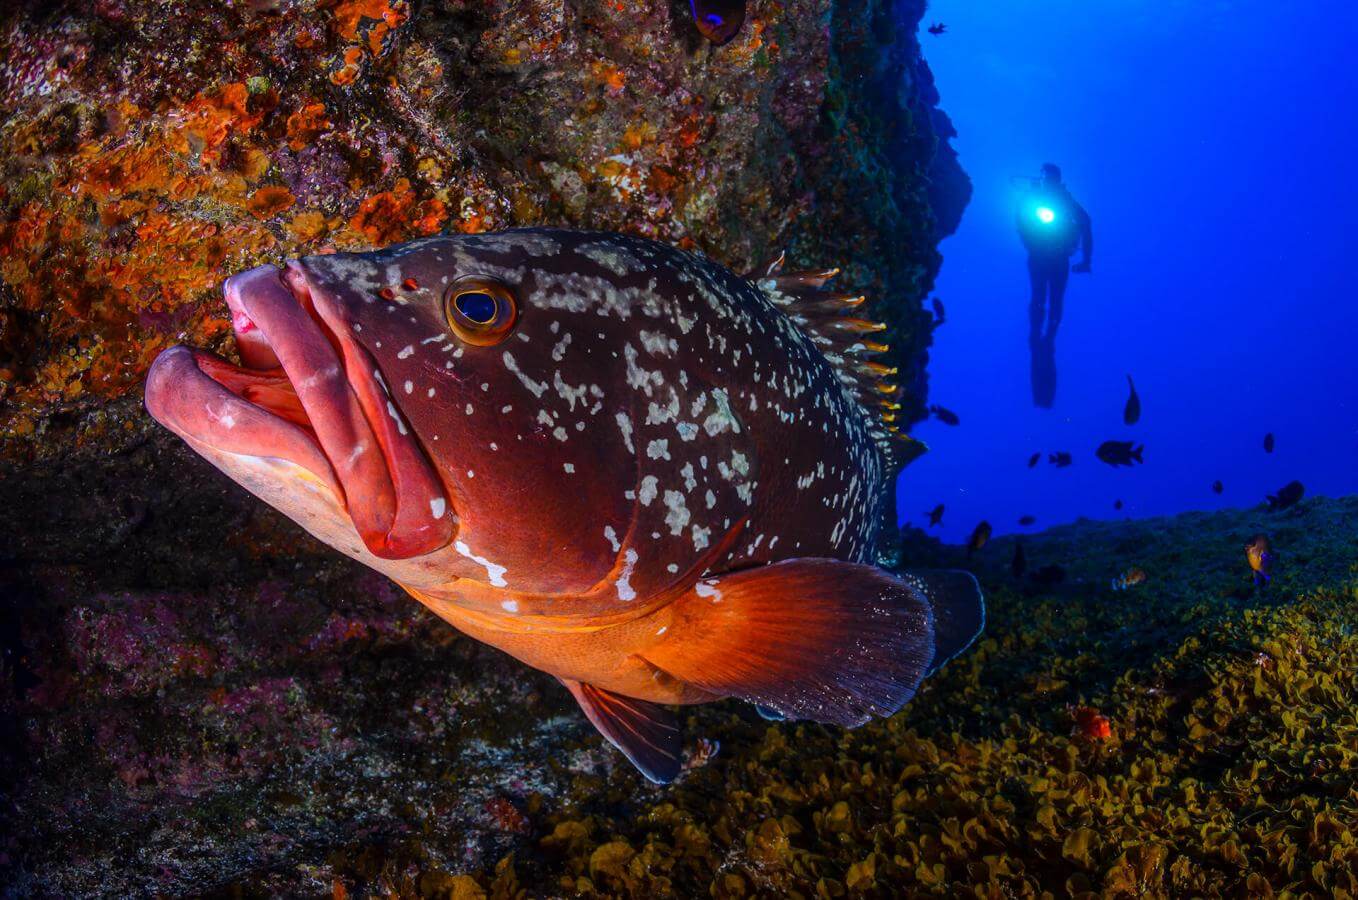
(1226,767)
(1189,736)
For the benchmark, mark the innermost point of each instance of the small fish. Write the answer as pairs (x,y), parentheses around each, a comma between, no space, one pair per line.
(1131,413)
(1287,495)
(718,20)
(1259,553)
(946,416)
(1218,487)
(527,431)
(935,515)
(1117,504)
(1091,724)
(1049,575)
(1060,459)
(978,538)
(1025,521)
(1119,453)
(937,28)
(937,304)
(1268,442)
(1019,564)
(1034,459)
(1131,578)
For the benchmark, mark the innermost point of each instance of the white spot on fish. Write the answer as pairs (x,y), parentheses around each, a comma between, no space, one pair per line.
(625,590)
(396,417)
(678,514)
(509,606)
(495,572)
(648,490)
(437,507)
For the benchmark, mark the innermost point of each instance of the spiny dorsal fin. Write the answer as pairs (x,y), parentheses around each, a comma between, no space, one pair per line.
(833,321)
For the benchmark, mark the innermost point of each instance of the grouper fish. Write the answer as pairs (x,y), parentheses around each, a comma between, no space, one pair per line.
(617,461)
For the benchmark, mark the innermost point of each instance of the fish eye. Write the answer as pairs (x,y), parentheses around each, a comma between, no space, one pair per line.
(480,310)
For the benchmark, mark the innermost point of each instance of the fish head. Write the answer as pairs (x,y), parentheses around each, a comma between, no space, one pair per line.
(411,408)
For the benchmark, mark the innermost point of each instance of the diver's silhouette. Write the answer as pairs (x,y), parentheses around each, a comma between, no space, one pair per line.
(1052,226)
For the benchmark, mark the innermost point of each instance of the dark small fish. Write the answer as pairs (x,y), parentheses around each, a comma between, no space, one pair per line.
(1117,504)
(718,20)
(1019,564)
(937,28)
(1131,413)
(1268,442)
(1119,453)
(1259,552)
(1287,495)
(946,416)
(937,304)
(1025,521)
(1048,575)
(978,538)
(1060,459)
(1033,460)
(935,515)
(1217,487)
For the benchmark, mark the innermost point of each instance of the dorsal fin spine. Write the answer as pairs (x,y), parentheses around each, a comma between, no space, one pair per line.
(834,324)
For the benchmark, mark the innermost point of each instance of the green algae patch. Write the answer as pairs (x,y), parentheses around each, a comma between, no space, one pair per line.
(1228,768)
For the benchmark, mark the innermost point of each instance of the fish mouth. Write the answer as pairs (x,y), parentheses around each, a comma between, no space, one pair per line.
(307,392)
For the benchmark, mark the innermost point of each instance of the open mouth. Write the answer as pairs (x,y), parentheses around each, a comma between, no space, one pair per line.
(309,393)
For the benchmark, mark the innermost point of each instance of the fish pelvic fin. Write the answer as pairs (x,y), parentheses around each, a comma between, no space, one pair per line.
(648,734)
(818,639)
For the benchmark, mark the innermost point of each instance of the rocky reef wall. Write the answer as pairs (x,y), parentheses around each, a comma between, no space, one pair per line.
(195,694)
(150,149)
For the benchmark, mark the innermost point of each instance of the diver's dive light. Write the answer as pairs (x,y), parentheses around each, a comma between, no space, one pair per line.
(1046,215)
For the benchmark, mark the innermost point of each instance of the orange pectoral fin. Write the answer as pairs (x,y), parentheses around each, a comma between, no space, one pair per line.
(818,639)
(647,733)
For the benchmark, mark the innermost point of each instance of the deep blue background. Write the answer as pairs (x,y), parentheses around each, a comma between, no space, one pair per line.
(1215,145)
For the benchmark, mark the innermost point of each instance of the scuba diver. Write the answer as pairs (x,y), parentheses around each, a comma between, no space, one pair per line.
(1052,226)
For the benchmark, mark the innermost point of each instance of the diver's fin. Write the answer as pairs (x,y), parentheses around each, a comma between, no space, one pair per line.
(646,733)
(817,639)
(959,609)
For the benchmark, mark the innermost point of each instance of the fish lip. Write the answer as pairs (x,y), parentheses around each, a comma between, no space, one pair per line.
(383,480)
(180,394)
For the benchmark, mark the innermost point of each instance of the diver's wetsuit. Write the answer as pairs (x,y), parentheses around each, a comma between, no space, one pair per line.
(1050,245)
(1048,275)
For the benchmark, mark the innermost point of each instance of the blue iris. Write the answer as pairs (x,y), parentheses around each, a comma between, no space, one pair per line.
(477,306)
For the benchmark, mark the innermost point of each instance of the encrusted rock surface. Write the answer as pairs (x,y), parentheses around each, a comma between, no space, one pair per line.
(195,694)
(149,149)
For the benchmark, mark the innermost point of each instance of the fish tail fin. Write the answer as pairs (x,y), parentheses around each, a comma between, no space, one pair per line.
(818,639)
(1136,453)
(647,733)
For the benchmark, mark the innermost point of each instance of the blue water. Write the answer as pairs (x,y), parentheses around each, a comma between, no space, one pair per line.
(1214,146)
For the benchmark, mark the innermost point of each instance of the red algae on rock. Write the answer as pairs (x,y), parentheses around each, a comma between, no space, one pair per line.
(248,133)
